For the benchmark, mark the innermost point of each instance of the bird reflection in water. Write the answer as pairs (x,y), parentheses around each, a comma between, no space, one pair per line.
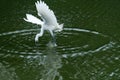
(52,62)
(48,21)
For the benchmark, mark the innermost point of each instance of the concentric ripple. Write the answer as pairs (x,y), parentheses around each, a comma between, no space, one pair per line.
(71,42)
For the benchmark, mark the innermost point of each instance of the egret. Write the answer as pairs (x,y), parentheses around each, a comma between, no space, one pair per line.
(47,22)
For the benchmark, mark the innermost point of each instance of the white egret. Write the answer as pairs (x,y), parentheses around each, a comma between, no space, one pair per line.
(48,22)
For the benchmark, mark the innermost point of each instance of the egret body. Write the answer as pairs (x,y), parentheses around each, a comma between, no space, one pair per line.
(48,22)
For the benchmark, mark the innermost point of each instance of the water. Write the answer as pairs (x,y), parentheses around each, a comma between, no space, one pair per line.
(88,47)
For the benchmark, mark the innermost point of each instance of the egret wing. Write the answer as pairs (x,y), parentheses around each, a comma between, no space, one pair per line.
(33,19)
(45,13)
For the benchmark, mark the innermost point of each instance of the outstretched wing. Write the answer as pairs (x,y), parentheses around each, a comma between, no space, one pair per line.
(33,19)
(45,13)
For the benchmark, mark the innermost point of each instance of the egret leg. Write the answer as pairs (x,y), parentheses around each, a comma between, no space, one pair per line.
(53,38)
(51,32)
(39,35)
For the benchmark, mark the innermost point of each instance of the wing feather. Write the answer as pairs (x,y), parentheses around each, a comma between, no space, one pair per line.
(33,19)
(45,13)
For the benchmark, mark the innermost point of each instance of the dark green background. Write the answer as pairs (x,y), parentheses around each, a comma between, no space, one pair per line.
(97,56)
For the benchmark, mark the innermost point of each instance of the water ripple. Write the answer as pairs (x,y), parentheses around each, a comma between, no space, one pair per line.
(21,42)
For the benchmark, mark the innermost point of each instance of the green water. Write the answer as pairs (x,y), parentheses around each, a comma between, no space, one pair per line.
(88,47)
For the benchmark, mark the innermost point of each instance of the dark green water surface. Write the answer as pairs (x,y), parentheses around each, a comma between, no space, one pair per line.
(88,47)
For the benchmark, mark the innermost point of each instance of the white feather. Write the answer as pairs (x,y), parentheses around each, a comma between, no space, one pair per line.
(49,21)
(33,19)
(46,14)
